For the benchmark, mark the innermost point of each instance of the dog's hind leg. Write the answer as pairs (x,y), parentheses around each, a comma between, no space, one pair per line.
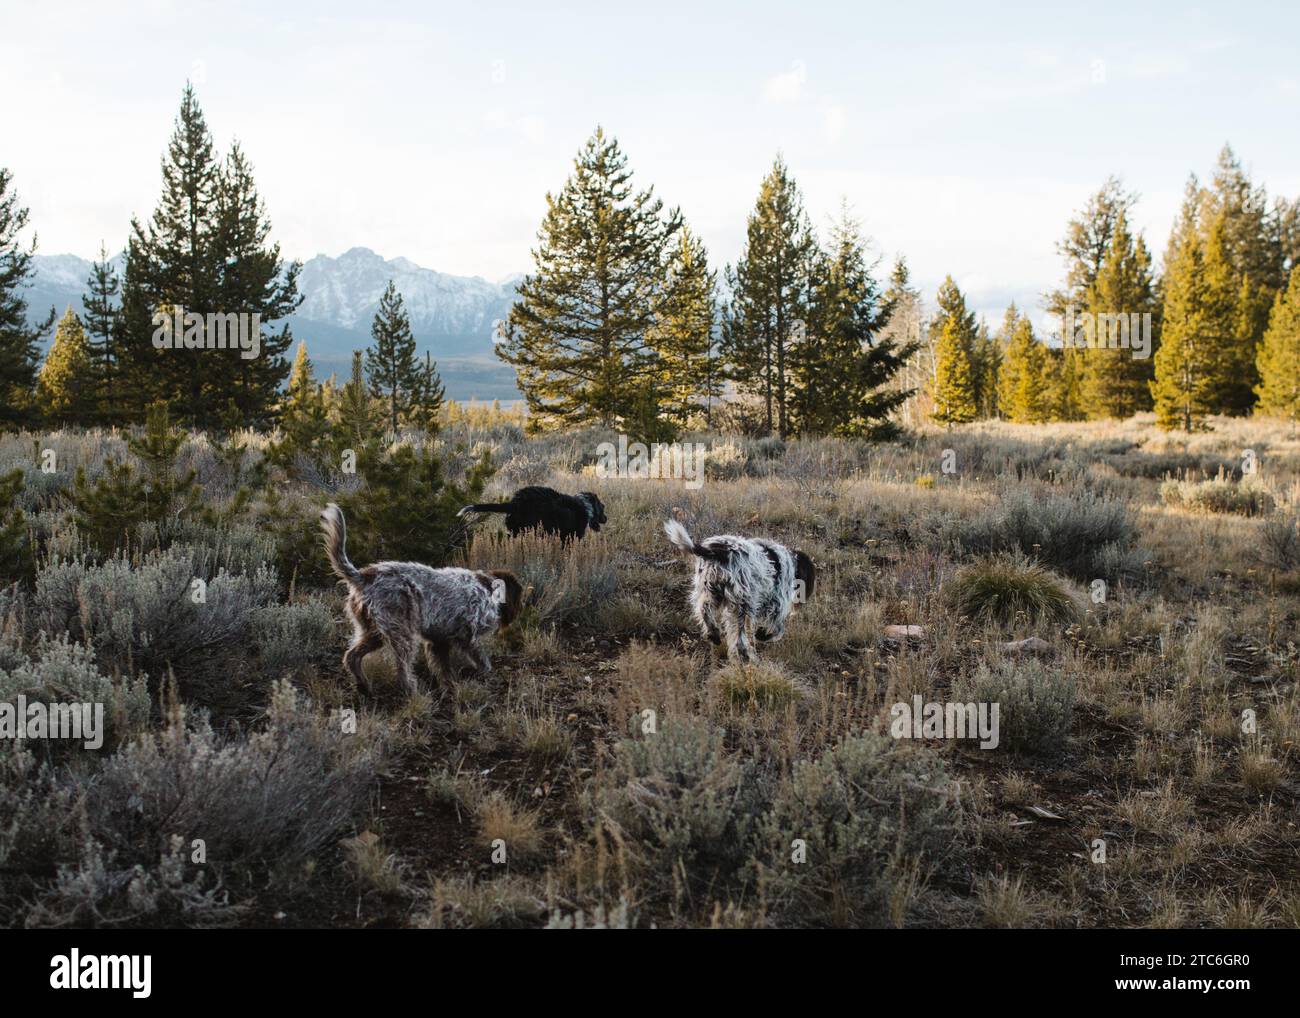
(404,650)
(364,640)
(736,624)
(708,620)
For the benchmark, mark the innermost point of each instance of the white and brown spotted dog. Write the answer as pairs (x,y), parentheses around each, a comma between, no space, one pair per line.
(407,605)
(742,583)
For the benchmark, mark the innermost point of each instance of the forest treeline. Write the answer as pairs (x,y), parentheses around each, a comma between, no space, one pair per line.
(625,322)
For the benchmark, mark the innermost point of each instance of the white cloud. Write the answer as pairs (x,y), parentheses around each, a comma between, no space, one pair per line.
(787,87)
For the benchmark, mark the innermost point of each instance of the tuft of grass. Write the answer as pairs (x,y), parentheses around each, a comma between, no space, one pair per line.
(374,867)
(1004,588)
(501,821)
(508,902)
(756,686)
(1004,903)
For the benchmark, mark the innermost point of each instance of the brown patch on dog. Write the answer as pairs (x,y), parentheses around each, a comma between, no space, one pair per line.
(805,571)
(511,603)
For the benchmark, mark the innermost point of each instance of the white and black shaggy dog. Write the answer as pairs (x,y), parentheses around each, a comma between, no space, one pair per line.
(742,582)
(547,510)
(407,605)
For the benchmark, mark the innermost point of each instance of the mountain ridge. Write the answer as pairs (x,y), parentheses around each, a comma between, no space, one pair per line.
(452,317)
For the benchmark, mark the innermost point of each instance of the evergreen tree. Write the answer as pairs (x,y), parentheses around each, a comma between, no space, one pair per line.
(683,335)
(955,394)
(1231,374)
(1087,239)
(174,263)
(19,352)
(391,365)
(579,334)
(253,279)
(359,418)
(1024,392)
(843,370)
(64,387)
(304,419)
(429,396)
(770,287)
(205,250)
(1116,383)
(986,362)
(101,306)
(1182,389)
(1279,356)
(1065,373)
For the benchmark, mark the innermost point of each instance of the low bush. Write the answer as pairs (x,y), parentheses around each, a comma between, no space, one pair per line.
(871,817)
(1035,703)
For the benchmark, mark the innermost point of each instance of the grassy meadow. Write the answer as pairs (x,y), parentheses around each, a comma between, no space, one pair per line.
(611,771)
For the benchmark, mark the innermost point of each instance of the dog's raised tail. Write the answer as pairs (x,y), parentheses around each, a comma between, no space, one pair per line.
(336,545)
(681,537)
(486,507)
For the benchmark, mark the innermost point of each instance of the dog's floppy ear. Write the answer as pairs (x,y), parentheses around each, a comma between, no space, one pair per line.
(511,596)
(805,572)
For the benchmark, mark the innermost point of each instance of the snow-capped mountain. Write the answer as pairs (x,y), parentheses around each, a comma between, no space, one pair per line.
(452,317)
(345,292)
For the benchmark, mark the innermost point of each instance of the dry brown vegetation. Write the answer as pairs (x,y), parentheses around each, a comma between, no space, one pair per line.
(633,779)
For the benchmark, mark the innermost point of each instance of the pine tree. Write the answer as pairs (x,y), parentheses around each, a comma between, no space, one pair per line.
(19,352)
(428,397)
(1065,374)
(253,279)
(1231,376)
(359,418)
(1182,389)
(1279,356)
(174,262)
(65,385)
(391,364)
(205,250)
(304,418)
(683,335)
(578,335)
(844,369)
(986,362)
(1116,383)
(1024,392)
(100,302)
(109,512)
(955,394)
(770,287)
(1087,239)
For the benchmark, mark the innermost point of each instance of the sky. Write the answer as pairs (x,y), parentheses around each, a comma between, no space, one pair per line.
(963,136)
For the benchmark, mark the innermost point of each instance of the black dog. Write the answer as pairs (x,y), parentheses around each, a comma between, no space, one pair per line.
(537,508)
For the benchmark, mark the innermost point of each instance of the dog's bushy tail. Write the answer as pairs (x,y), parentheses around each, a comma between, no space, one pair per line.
(487,507)
(681,537)
(336,545)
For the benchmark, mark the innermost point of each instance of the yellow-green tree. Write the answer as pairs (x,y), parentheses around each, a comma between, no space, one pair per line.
(1278,358)
(1116,380)
(1024,392)
(956,398)
(64,386)
(1183,388)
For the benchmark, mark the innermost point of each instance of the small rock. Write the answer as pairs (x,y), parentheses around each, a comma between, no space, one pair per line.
(1032,645)
(896,634)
